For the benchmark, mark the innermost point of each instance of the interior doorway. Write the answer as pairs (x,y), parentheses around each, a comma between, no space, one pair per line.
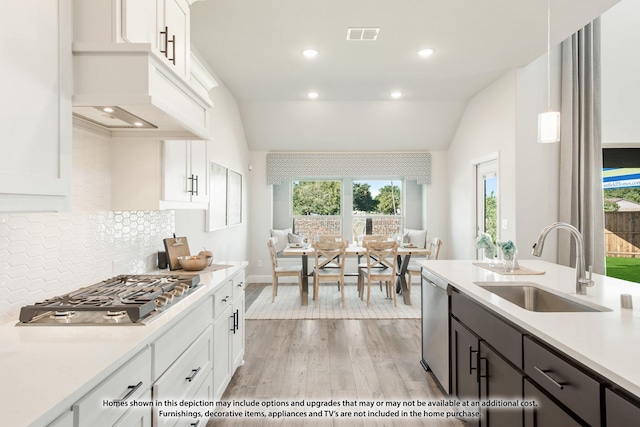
(487,199)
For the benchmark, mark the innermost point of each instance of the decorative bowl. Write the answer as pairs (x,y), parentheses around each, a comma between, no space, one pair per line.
(193,262)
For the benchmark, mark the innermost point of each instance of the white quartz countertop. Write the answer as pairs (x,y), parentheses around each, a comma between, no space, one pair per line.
(607,342)
(44,370)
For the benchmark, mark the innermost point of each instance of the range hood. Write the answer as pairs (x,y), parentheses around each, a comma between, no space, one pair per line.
(127,91)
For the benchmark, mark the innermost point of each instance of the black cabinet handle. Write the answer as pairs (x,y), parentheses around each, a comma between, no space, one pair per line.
(471,368)
(197,184)
(195,424)
(544,373)
(132,389)
(173,45)
(166,40)
(194,185)
(193,375)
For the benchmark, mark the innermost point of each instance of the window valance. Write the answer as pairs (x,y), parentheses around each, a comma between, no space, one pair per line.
(410,165)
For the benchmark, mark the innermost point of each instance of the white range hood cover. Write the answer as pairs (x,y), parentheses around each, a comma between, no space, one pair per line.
(130,77)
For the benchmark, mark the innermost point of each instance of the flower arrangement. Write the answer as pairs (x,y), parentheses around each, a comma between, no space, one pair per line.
(509,252)
(508,249)
(485,242)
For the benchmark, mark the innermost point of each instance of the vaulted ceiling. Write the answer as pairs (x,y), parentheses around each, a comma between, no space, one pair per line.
(255,48)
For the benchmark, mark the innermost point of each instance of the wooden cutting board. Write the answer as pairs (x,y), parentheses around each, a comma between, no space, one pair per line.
(175,247)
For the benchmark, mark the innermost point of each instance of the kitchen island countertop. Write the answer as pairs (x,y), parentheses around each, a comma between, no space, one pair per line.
(607,342)
(46,369)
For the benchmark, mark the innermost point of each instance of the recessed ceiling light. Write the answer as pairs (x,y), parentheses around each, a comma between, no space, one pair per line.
(107,110)
(426,52)
(310,53)
(396,95)
(138,124)
(312,95)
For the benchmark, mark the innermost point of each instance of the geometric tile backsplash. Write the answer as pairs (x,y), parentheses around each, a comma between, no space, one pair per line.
(46,254)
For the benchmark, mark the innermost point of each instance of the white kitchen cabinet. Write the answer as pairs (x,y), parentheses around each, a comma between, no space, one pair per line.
(129,383)
(228,332)
(221,329)
(237,332)
(155,175)
(36,85)
(174,34)
(164,24)
(138,416)
(185,172)
(64,420)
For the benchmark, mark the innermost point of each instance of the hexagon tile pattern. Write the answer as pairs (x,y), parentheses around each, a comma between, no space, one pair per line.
(47,254)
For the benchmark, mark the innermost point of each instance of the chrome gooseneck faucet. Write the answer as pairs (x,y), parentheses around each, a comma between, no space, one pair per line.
(582,280)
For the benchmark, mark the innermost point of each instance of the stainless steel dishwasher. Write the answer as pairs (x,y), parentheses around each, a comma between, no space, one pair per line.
(435,327)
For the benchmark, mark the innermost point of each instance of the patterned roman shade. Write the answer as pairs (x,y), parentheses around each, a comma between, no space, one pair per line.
(410,165)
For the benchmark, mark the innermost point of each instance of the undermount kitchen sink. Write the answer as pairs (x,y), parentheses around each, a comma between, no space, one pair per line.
(529,296)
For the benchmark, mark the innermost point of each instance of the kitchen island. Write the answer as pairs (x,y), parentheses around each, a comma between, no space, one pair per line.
(47,370)
(605,342)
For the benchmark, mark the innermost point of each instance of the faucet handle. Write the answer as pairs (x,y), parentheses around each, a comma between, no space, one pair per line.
(587,281)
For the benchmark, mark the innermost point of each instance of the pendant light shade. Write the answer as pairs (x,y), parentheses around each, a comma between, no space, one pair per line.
(549,121)
(549,127)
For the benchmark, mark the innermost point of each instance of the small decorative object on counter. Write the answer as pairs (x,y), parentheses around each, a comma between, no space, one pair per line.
(207,254)
(509,251)
(485,242)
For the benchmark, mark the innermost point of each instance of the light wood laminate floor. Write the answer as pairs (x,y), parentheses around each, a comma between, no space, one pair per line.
(332,360)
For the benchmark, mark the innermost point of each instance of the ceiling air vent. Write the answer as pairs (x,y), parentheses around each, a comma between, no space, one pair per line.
(362,34)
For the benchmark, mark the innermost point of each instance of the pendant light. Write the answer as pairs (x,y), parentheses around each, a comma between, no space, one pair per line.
(549,121)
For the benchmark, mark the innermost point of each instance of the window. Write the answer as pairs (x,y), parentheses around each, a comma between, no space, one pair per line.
(348,206)
(317,207)
(377,207)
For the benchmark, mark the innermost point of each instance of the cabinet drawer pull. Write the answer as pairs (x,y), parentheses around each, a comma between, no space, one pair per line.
(195,424)
(547,376)
(471,368)
(225,299)
(193,375)
(173,44)
(132,389)
(166,40)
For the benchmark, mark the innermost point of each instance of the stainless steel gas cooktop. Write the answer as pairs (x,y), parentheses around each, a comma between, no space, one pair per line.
(121,300)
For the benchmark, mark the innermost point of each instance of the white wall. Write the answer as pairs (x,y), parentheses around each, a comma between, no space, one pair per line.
(436,201)
(228,147)
(502,119)
(487,127)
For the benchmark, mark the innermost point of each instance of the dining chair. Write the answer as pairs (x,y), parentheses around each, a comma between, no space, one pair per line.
(329,265)
(369,238)
(280,271)
(330,238)
(381,266)
(433,243)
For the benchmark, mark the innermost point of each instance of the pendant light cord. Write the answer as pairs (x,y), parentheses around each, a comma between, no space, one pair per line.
(548,55)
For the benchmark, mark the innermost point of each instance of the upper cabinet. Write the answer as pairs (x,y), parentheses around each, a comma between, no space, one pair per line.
(175,34)
(35,117)
(134,57)
(152,175)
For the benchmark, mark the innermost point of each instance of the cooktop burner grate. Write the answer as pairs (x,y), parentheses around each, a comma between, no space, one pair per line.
(119,300)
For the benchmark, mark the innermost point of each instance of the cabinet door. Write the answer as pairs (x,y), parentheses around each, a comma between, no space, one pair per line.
(620,411)
(547,413)
(237,334)
(35,117)
(138,416)
(176,171)
(198,172)
(177,21)
(498,380)
(139,21)
(464,364)
(221,351)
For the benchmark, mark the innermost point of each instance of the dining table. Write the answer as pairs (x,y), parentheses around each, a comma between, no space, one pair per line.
(404,254)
